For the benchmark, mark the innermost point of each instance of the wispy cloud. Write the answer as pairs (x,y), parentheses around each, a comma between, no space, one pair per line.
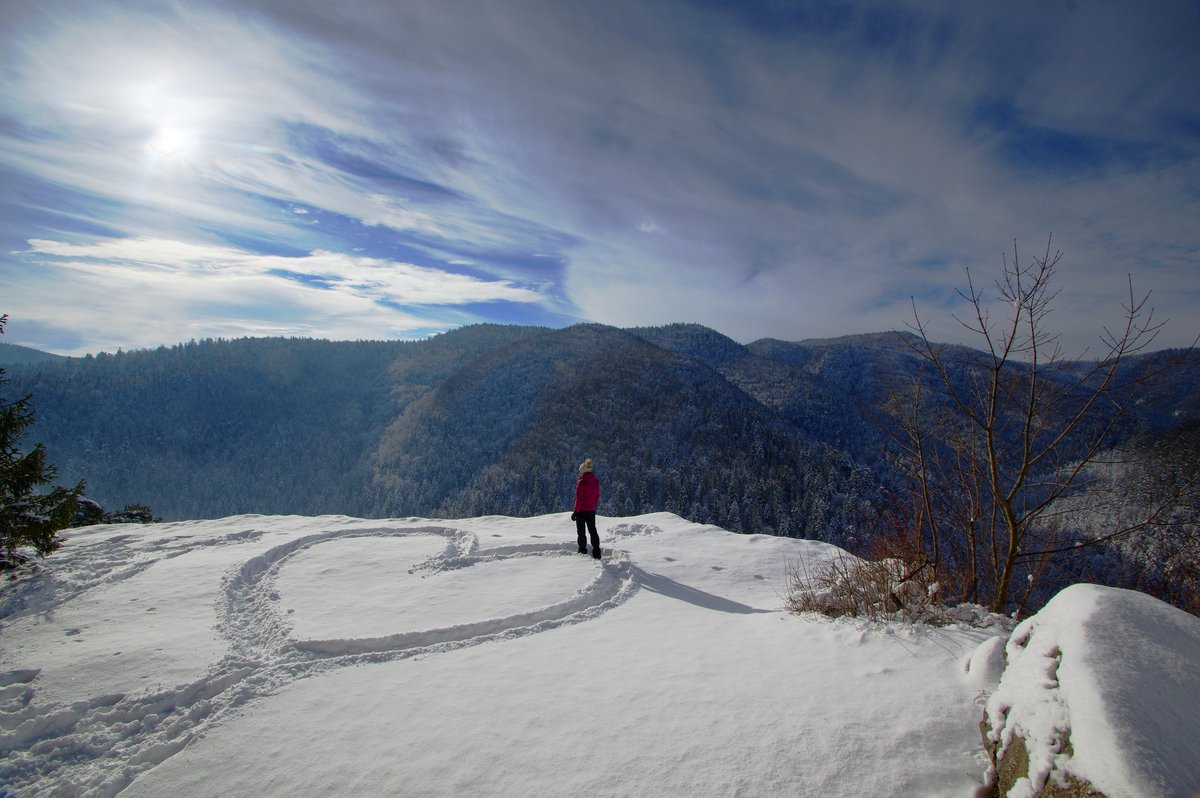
(366,278)
(325,294)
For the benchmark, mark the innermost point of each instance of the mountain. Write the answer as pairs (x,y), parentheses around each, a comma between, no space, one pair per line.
(216,427)
(14,354)
(667,430)
(774,436)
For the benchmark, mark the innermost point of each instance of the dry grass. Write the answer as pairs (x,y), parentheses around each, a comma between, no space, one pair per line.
(847,586)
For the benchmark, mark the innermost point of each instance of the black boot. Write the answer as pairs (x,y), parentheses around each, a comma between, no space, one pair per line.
(596,553)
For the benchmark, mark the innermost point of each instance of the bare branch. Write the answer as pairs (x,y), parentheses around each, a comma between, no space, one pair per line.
(1033,422)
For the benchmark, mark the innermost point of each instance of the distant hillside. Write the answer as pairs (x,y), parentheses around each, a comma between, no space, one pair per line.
(667,431)
(774,436)
(15,354)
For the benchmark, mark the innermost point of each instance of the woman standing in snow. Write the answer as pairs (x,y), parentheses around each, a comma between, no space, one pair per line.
(587,496)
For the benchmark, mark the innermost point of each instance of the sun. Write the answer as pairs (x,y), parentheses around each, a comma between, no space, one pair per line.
(171,142)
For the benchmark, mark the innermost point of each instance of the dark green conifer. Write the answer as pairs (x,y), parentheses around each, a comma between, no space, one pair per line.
(28,519)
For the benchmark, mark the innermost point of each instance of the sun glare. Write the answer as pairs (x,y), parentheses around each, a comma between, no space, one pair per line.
(170,142)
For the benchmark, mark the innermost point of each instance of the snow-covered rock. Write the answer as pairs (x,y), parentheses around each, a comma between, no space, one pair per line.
(1102,686)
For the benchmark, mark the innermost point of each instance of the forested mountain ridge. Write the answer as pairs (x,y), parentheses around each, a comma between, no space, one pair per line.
(667,431)
(216,427)
(774,436)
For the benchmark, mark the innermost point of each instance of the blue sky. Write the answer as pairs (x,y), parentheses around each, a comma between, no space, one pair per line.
(366,170)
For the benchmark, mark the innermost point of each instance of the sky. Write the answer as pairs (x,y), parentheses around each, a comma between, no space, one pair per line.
(378,170)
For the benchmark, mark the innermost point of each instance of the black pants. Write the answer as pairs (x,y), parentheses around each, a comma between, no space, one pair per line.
(588,519)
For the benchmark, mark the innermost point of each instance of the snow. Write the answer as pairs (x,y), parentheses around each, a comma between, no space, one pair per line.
(1114,674)
(298,656)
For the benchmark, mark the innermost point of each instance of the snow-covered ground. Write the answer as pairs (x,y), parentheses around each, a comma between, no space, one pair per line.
(296,656)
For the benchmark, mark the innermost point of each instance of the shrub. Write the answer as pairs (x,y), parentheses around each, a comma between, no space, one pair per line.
(883,590)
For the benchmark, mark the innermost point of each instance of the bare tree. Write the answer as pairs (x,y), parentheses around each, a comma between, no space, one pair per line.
(1014,430)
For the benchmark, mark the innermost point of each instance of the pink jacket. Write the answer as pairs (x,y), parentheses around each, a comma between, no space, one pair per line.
(587,493)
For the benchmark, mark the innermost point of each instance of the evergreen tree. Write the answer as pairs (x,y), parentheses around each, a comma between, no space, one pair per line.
(27,519)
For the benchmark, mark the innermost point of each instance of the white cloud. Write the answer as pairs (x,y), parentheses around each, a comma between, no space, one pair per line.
(178,262)
(143,292)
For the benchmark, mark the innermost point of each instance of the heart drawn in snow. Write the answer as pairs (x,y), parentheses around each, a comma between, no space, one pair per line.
(391,590)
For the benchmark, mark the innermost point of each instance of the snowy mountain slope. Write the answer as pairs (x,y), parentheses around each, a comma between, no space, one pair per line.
(306,656)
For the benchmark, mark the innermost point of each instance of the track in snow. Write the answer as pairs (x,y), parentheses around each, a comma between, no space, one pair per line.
(99,745)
